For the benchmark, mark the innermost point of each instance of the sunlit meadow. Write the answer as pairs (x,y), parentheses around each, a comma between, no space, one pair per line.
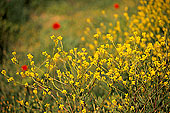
(119,66)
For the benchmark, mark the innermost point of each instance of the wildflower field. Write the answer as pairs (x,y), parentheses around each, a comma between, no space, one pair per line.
(112,57)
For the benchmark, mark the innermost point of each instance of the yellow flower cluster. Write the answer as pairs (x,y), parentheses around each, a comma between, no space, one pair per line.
(106,75)
(14,59)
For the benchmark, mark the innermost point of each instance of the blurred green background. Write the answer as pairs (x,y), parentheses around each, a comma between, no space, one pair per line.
(26,25)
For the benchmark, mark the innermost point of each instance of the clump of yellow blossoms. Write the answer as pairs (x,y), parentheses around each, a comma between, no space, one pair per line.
(116,77)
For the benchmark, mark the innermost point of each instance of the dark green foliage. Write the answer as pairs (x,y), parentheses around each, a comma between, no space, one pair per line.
(13,13)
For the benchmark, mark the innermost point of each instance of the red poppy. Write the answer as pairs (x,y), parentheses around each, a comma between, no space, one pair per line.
(24,67)
(56,26)
(116,6)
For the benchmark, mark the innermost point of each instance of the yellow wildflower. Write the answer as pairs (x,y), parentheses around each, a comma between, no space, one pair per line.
(114,102)
(61,106)
(52,37)
(27,104)
(64,92)
(81,102)
(59,37)
(47,105)
(21,102)
(26,84)
(32,62)
(3,72)
(30,57)
(133,82)
(88,20)
(132,108)
(103,12)
(14,60)
(84,110)
(119,107)
(10,79)
(14,53)
(35,91)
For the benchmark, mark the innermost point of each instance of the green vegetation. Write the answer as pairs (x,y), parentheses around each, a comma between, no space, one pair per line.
(85,56)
